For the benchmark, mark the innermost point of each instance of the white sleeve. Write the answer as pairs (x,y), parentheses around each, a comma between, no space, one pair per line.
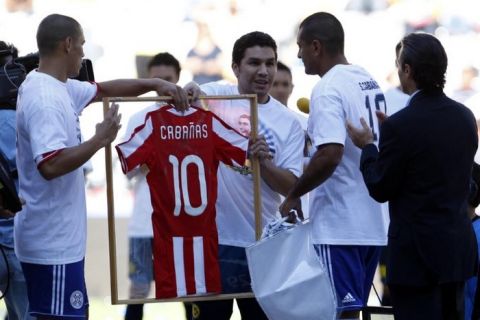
(326,123)
(46,131)
(291,157)
(81,92)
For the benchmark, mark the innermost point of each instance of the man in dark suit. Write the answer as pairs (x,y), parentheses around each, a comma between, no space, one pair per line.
(423,167)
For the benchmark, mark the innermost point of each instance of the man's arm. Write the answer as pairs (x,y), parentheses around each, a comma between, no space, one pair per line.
(136,87)
(280,175)
(278,179)
(69,159)
(319,169)
(382,170)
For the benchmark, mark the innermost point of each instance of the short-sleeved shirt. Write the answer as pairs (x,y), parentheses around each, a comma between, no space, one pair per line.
(182,152)
(51,228)
(342,211)
(285,138)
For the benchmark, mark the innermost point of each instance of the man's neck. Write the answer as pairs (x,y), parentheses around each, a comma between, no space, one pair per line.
(332,62)
(264,99)
(53,68)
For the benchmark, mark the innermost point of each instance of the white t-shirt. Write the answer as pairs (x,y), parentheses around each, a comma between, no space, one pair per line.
(284,135)
(342,211)
(51,228)
(302,118)
(140,223)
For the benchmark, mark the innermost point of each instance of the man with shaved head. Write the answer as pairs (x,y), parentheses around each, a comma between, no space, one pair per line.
(50,231)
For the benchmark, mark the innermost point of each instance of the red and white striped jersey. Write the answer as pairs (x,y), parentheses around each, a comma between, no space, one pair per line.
(182,152)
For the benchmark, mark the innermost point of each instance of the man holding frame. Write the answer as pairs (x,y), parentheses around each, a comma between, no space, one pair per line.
(50,231)
(278,148)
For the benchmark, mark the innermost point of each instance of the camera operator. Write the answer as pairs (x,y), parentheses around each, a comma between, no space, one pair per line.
(12,281)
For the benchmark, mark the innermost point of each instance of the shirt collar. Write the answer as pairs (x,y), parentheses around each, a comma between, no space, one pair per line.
(411,97)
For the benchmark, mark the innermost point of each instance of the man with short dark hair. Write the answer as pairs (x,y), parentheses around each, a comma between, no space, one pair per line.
(164,66)
(424,172)
(279,150)
(349,227)
(50,231)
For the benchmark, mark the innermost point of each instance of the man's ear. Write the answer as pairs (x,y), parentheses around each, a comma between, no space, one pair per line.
(317,47)
(407,70)
(236,69)
(68,43)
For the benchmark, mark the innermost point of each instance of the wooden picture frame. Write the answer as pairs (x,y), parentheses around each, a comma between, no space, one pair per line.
(255,167)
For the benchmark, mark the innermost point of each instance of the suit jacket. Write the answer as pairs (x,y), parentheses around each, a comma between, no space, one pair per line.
(423,168)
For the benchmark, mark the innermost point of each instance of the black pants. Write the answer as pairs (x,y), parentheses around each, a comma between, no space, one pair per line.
(222,310)
(134,312)
(444,301)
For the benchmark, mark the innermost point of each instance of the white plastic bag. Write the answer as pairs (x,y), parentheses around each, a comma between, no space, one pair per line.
(288,279)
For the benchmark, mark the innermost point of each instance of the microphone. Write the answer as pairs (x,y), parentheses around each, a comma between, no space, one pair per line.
(303,104)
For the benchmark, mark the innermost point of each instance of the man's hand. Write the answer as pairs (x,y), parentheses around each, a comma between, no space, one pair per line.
(360,136)
(193,90)
(106,131)
(381,117)
(258,148)
(179,95)
(288,208)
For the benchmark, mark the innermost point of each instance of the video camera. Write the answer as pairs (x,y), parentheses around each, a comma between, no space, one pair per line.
(14,72)
(8,193)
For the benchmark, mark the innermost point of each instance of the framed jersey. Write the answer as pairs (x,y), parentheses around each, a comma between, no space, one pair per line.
(179,154)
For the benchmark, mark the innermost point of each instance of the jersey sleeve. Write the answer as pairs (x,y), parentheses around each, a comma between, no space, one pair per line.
(326,123)
(136,150)
(231,146)
(82,93)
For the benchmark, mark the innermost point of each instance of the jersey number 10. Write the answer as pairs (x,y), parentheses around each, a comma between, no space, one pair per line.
(180,184)
(379,100)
